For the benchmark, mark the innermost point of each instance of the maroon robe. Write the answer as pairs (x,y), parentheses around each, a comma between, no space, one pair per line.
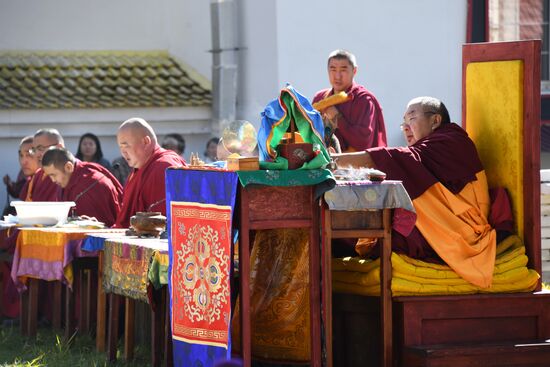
(9,298)
(145,190)
(361,125)
(96,192)
(447,155)
(39,188)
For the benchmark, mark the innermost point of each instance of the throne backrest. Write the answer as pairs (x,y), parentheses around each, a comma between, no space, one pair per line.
(501,113)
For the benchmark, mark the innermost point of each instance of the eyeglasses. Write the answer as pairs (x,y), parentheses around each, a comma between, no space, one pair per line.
(40,148)
(405,125)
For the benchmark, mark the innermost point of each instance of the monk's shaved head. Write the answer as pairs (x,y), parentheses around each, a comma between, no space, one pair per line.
(57,157)
(52,135)
(58,164)
(137,141)
(26,140)
(432,105)
(44,139)
(139,127)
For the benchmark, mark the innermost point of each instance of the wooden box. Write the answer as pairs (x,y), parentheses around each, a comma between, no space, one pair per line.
(296,153)
(243,164)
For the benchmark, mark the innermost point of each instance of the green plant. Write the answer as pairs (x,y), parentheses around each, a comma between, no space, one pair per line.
(51,349)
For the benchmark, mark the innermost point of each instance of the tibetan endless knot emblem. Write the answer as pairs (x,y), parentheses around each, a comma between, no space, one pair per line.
(202,265)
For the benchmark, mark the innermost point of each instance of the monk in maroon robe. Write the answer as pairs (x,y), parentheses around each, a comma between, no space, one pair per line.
(446,181)
(95,191)
(39,187)
(10,296)
(358,123)
(145,189)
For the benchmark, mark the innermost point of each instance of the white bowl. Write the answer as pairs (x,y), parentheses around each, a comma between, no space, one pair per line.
(46,213)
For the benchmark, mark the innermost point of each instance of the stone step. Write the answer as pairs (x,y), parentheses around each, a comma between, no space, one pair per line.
(545,221)
(545,175)
(519,353)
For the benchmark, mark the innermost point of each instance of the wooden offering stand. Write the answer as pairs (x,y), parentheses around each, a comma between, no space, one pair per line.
(243,163)
(297,153)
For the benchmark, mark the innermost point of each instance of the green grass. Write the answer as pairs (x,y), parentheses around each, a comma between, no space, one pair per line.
(50,349)
(546,286)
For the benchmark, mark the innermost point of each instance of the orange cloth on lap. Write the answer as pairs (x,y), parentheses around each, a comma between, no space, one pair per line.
(457,228)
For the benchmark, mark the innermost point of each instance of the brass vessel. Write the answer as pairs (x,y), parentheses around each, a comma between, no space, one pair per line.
(148,223)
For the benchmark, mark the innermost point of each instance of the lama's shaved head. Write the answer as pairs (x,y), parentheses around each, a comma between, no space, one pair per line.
(137,141)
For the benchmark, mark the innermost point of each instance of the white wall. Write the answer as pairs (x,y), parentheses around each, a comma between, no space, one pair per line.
(258,59)
(404,49)
(188,33)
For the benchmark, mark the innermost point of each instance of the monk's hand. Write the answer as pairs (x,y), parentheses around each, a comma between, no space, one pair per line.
(7,180)
(85,217)
(331,115)
(353,160)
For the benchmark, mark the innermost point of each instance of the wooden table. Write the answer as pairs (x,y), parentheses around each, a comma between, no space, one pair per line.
(135,255)
(47,254)
(368,214)
(260,204)
(270,207)
(95,242)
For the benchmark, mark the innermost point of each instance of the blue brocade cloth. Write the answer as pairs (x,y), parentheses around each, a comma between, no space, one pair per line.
(203,187)
(93,243)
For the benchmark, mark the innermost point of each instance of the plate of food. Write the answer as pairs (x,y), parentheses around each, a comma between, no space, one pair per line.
(359,174)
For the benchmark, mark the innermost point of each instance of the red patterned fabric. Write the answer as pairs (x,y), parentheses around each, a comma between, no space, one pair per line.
(201,307)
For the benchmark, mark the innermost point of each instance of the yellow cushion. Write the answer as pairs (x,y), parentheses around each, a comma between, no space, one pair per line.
(355,277)
(354,264)
(416,277)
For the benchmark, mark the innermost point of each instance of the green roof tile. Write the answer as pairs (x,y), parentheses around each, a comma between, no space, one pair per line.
(40,80)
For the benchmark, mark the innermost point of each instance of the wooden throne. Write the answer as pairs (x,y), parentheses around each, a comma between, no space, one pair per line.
(501,109)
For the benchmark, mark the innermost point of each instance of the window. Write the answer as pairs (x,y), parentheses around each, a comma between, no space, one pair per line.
(513,20)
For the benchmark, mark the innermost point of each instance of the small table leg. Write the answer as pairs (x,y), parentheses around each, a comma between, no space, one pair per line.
(385,292)
(129,328)
(80,290)
(69,312)
(314,286)
(168,353)
(33,307)
(24,312)
(327,282)
(57,301)
(101,307)
(157,327)
(85,299)
(114,308)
